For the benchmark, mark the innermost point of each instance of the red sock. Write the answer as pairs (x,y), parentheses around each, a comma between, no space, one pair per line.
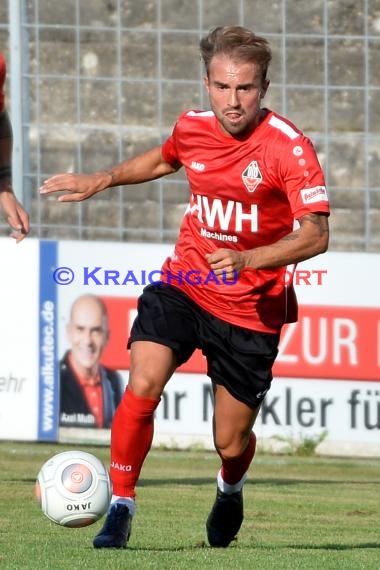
(233,469)
(131,439)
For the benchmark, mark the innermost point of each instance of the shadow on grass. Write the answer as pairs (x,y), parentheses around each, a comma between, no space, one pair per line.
(145,482)
(204,545)
(199,481)
(334,546)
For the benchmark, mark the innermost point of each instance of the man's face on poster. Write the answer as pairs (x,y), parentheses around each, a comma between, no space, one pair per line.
(87,333)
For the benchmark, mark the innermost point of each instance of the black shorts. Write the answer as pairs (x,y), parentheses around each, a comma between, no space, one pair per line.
(239,359)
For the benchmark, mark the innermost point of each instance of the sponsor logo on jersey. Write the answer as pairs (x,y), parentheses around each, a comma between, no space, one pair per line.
(218,235)
(199,166)
(252,176)
(224,216)
(316,194)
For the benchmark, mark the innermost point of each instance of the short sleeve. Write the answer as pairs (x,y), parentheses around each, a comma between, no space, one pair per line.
(169,149)
(303,178)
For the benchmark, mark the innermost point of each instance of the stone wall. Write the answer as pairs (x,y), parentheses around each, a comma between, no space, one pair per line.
(105,80)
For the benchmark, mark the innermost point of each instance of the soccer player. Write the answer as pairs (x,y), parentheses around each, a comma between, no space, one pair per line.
(251,175)
(89,391)
(13,211)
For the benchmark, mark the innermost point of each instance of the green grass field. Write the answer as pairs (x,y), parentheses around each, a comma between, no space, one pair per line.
(300,513)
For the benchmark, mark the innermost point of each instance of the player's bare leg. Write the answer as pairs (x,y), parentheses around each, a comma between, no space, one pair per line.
(235,443)
(152,365)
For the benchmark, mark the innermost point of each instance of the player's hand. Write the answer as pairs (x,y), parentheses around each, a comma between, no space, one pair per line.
(15,215)
(226,262)
(76,187)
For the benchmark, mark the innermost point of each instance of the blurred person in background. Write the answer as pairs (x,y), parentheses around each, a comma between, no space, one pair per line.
(10,207)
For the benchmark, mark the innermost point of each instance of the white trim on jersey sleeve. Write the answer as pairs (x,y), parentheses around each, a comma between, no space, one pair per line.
(200,114)
(279,124)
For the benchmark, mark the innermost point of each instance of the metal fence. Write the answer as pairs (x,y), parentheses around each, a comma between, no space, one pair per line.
(92,82)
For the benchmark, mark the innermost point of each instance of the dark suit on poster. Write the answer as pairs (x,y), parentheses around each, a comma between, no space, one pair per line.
(74,410)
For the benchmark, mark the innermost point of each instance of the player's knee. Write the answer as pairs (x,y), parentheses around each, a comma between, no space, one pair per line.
(232,443)
(146,386)
(230,448)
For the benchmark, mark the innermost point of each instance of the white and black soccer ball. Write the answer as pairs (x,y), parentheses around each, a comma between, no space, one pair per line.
(73,488)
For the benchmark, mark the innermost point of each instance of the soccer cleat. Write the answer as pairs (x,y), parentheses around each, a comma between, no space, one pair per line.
(225,518)
(116,529)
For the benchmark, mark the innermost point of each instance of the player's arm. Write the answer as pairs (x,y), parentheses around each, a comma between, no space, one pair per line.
(76,187)
(14,213)
(310,239)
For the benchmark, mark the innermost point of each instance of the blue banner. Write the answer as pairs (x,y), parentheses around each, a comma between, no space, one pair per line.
(48,409)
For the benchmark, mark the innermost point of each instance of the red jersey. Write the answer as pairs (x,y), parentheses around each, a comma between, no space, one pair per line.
(2,80)
(244,193)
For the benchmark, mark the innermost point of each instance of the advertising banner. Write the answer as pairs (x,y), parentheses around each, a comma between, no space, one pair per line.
(326,377)
(19,386)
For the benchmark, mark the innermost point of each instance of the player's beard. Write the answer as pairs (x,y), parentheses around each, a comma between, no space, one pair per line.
(243,126)
(233,128)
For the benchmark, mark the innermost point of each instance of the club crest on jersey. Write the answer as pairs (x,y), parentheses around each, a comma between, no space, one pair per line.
(252,176)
